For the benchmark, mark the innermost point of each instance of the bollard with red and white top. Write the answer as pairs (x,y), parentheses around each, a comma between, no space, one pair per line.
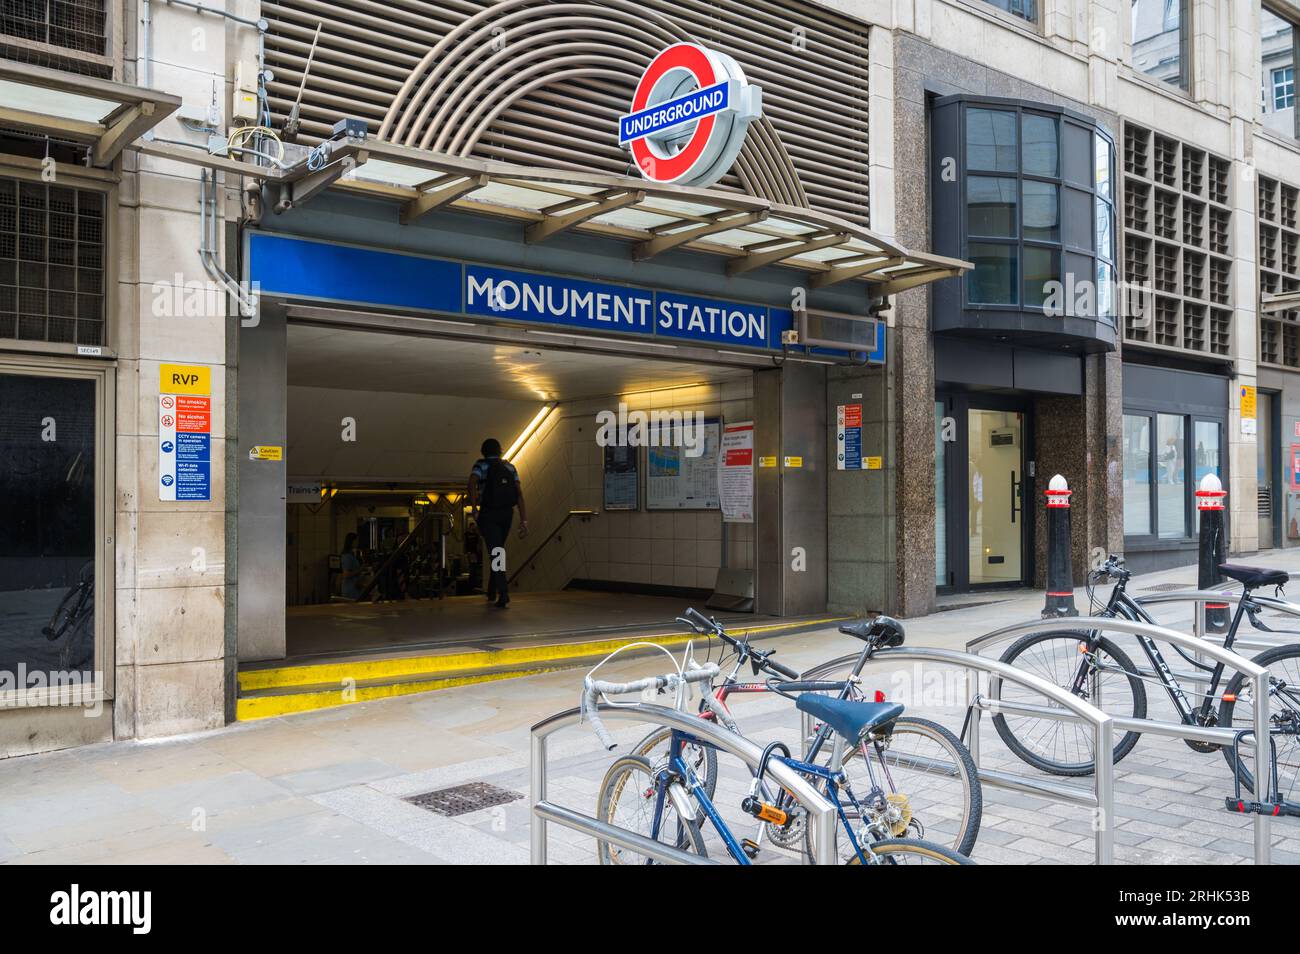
(1210,498)
(1060,571)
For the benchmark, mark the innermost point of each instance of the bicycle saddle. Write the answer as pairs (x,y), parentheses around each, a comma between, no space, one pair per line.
(884,631)
(852,720)
(1253,576)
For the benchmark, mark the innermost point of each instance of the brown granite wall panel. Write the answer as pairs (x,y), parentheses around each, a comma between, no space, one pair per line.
(1077,436)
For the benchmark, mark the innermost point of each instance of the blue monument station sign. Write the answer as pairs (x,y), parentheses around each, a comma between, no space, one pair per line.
(306,269)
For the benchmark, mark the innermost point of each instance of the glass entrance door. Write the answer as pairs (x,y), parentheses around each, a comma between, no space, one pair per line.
(995,478)
(983,478)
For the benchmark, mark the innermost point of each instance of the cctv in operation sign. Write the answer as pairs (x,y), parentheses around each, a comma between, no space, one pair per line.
(184,432)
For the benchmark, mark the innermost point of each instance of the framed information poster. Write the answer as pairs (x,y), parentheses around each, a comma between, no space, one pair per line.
(621,490)
(736,473)
(674,480)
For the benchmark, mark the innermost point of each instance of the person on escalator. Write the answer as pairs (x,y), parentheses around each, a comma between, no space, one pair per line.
(494,493)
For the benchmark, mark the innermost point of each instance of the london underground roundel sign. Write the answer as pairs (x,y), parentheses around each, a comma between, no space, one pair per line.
(689,115)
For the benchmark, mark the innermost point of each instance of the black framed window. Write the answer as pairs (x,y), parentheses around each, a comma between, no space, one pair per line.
(1165,456)
(1039,212)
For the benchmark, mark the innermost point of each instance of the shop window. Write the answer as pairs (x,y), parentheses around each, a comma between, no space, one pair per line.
(1278,43)
(1162,470)
(1205,454)
(1171,476)
(1138,476)
(1159,38)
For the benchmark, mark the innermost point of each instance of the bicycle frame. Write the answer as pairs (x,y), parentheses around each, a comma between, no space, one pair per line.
(1122,605)
(678,768)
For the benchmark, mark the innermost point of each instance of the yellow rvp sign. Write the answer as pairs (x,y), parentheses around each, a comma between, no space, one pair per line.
(1247,401)
(266,452)
(184,379)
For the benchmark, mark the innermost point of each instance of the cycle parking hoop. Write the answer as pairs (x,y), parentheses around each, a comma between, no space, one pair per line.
(545,813)
(1258,676)
(1102,797)
(1257,640)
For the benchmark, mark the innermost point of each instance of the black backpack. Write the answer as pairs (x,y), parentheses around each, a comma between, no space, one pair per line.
(500,487)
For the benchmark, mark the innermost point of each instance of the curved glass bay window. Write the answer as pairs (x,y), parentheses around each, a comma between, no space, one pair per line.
(1025,192)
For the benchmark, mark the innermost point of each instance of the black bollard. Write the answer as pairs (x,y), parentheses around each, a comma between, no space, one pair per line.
(1060,571)
(1213,548)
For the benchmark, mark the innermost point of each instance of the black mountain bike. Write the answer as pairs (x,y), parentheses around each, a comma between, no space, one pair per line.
(1094,668)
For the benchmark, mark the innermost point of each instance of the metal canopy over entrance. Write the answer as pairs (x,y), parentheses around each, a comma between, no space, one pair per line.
(750,232)
(105,116)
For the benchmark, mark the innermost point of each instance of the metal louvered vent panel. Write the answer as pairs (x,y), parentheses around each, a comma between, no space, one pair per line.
(69,35)
(812,64)
(51,263)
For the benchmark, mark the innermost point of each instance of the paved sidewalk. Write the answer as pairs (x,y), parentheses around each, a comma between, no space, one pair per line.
(330,786)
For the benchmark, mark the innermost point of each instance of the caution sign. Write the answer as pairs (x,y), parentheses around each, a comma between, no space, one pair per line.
(184,432)
(265,452)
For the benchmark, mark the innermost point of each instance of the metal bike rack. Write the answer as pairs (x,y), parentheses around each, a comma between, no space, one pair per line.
(821,812)
(1258,676)
(1073,709)
(1256,639)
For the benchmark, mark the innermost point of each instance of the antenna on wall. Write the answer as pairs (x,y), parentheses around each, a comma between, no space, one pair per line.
(290,131)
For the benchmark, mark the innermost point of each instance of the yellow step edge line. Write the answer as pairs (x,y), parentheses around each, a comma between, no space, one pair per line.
(390,668)
(268,707)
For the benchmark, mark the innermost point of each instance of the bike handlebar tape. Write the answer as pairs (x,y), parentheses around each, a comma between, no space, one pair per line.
(1212,548)
(590,713)
(1060,570)
(783,670)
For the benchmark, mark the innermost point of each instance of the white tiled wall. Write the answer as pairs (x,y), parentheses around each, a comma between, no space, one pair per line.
(562,470)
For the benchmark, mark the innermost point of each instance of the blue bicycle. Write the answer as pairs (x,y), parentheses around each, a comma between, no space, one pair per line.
(669,803)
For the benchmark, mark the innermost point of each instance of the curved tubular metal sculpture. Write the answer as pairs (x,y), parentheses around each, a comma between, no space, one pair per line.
(498,56)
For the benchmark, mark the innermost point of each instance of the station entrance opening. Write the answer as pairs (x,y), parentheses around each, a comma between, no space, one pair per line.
(624,525)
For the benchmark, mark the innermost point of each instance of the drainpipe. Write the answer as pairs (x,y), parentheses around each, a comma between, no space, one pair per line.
(209,231)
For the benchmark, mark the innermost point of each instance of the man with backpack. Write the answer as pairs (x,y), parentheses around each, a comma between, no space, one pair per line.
(494,492)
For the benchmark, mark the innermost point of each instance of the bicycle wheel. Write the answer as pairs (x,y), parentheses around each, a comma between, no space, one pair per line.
(702,759)
(1111,684)
(627,799)
(911,851)
(930,783)
(1283,664)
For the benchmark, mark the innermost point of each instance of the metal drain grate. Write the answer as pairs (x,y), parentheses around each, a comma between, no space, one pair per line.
(1168,587)
(463,799)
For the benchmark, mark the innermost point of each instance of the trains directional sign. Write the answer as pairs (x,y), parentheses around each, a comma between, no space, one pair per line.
(689,116)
